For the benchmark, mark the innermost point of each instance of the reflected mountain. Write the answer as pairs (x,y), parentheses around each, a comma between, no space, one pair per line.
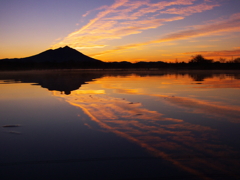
(66,81)
(62,81)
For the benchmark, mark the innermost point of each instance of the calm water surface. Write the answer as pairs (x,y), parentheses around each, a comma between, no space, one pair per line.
(72,125)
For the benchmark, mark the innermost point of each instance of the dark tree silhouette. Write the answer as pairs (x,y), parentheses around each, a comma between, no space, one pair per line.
(200,60)
(237,60)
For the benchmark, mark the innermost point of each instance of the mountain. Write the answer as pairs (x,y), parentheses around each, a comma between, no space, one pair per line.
(59,55)
(63,57)
(64,54)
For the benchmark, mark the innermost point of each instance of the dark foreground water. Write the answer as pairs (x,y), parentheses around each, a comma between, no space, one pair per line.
(144,125)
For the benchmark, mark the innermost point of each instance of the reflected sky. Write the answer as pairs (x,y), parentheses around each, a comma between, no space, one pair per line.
(125,107)
(189,120)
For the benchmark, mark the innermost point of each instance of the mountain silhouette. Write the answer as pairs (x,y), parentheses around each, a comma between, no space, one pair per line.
(60,55)
(63,57)
(69,58)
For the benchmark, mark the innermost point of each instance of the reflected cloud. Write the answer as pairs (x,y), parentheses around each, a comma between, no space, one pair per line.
(185,145)
(192,147)
(222,83)
(14,132)
(226,111)
(127,91)
(89,92)
(209,108)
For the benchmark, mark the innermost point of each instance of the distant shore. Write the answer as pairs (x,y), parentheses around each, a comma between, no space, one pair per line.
(121,71)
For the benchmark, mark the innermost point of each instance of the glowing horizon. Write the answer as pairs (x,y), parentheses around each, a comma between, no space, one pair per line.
(135,30)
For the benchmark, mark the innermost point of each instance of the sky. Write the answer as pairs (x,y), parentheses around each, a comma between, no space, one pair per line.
(122,30)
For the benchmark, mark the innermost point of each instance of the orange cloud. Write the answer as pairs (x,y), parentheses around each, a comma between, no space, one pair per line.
(100,15)
(226,26)
(230,25)
(125,17)
(186,11)
(223,53)
(91,47)
(120,48)
(157,7)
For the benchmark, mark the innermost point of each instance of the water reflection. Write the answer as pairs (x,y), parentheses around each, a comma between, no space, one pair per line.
(67,81)
(192,147)
(63,81)
(231,113)
(143,108)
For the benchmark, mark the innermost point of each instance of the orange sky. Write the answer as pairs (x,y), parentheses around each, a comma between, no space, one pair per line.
(123,30)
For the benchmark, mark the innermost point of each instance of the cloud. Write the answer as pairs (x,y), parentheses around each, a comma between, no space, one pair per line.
(120,48)
(230,25)
(100,15)
(125,17)
(186,11)
(91,47)
(222,53)
(225,26)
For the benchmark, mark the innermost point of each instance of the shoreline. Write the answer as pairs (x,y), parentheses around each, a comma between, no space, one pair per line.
(121,71)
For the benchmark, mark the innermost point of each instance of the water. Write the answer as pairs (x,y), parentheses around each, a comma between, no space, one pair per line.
(119,125)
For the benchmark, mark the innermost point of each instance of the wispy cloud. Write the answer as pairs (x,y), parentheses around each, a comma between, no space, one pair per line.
(232,24)
(225,26)
(223,53)
(186,11)
(125,17)
(91,47)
